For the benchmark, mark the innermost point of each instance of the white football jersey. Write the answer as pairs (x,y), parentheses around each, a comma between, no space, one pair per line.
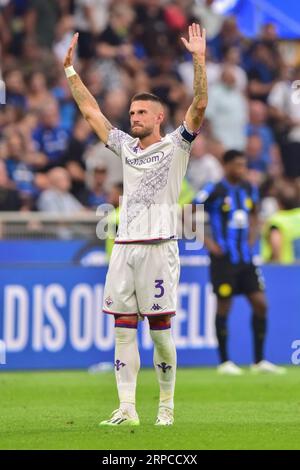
(152,180)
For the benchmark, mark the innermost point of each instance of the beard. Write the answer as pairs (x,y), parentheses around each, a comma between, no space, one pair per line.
(141,132)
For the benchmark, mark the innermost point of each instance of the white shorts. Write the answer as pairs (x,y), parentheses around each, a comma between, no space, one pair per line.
(142,279)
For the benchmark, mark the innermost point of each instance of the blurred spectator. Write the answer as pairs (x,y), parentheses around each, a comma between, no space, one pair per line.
(115,194)
(258,113)
(262,72)
(97,194)
(16,15)
(96,83)
(281,233)
(227,111)
(79,142)
(177,15)
(34,58)
(203,166)
(151,28)
(63,36)
(37,91)
(50,137)
(5,35)
(19,169)
(41,21)
(268,193)
(255,159)
(58,199)
(100,154)
(165,79)
(90,19)
(15,89)
(187,193)
(229,36)
(208,17)
(185,70)
(269,37)
(114,48)
(9,197)
(127,47)
(26,126)
(142,82)
(115,108)
(232,57)
(114,198)
(67,107)
(114,41)
(74,156)
(285,111)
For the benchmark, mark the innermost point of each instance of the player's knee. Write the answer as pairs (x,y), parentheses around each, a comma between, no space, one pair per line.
(126,321)
(159,326)
(162,322)
(125,329)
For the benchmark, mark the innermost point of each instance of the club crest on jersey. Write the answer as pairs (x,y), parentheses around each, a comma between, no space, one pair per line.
(109,301)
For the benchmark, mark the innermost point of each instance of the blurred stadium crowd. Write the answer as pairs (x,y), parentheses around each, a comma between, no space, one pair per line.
(49,158)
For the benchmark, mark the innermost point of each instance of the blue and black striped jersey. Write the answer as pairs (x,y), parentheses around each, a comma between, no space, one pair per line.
(229,207)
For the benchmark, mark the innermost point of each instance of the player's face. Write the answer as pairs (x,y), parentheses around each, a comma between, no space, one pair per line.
(237,169)
(144,117)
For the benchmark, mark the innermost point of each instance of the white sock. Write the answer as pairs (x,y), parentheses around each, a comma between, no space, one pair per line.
(165,365)
(127,365)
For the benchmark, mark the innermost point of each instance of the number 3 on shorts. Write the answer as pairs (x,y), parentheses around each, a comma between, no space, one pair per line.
(159,285)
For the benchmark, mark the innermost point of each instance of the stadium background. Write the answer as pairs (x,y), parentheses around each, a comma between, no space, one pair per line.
(52,265)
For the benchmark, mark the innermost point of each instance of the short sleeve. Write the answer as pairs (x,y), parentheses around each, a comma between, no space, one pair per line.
(116,139)
(183,137)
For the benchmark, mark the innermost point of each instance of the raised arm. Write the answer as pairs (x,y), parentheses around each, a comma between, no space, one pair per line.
(196,46)
(85,101)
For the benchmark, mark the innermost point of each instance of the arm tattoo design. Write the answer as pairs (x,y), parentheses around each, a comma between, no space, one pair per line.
(85,99)
(200,86)
(80,93)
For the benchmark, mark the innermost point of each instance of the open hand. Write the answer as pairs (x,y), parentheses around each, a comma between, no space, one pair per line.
(68,61)
(197,41)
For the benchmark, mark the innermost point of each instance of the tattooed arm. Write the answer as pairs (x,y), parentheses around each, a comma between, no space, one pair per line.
(196,45)
(85,101)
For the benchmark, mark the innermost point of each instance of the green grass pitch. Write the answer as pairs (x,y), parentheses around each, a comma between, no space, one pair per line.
(61,410)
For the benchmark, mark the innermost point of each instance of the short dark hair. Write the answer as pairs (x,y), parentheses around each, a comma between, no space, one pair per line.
(232,154)
(147,97)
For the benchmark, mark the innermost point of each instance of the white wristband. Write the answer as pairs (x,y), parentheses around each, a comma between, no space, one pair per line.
(70,71)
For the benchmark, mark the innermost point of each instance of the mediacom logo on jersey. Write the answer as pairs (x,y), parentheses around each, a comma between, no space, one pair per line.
(144,160)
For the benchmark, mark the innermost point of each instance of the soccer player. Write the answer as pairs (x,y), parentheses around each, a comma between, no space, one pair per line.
(144,268)
(232,207)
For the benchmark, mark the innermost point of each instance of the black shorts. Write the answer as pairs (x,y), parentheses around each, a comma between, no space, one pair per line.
(230,279)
